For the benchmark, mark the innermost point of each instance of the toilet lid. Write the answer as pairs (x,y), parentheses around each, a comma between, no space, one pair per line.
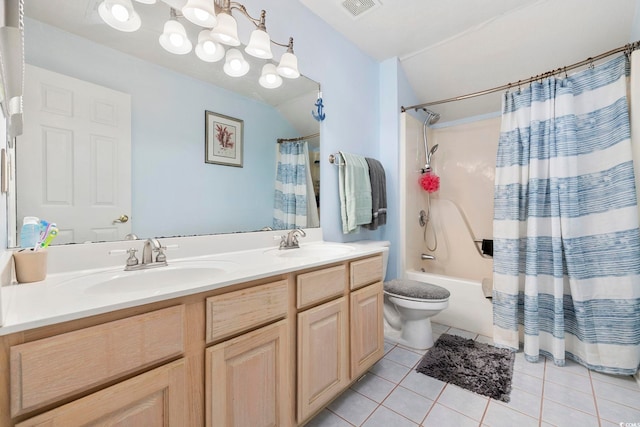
(415,289)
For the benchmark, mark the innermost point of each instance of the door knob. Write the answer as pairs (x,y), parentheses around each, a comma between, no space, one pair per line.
(122,219)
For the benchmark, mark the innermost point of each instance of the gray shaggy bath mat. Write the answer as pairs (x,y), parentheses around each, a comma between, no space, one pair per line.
(478,367)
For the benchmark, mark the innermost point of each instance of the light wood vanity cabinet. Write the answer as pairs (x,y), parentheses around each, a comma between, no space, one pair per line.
(271,352)
(341,339)
(247,378)
(367,329)
(323,355)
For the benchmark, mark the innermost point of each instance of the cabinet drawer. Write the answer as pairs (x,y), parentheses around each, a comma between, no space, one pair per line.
(155,398)
(320,285)
(366,271)
(234,312)
(51,369)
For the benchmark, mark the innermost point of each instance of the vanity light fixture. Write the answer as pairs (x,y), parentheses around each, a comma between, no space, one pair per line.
(226,32)
(260,43)
(220,28)
(288,66)
(200,12)
(270,78)
(119,14)
(174,37)
(235,65)
(207,48)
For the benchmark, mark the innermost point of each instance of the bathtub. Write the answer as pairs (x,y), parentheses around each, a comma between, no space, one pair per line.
(468,308)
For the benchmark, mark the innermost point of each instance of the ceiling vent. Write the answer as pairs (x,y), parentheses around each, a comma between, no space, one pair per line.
(357,8)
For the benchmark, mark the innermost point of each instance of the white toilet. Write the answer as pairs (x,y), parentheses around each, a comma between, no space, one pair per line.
(408,308)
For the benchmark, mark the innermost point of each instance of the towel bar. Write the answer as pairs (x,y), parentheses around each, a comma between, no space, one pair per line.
(333,159)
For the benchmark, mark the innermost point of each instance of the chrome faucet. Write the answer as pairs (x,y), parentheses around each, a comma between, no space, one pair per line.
(150,246)
(427,256)
(290,240)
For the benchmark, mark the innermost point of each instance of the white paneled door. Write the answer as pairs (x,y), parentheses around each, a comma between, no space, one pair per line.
(73,162)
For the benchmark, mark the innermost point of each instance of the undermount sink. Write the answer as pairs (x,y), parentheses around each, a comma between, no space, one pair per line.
(312,250)
(179,273)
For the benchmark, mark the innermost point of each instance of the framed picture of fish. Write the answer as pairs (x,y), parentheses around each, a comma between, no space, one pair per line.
(223,140)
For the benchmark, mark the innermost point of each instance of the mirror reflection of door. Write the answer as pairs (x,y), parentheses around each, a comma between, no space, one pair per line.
(73,161)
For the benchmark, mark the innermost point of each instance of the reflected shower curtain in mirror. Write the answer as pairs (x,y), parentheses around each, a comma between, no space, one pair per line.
(566,238)
(295,202)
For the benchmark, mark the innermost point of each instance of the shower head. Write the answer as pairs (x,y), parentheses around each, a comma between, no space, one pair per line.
(430,153)
(432,117)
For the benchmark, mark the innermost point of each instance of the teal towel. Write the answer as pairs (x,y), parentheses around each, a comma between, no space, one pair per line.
(355,192)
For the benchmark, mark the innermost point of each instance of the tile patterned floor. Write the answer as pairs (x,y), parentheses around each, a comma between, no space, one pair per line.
(544,395)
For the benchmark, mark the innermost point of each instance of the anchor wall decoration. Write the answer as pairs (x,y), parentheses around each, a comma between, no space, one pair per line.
(319,116)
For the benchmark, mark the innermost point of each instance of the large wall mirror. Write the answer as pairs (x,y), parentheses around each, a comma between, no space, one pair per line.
(88,86)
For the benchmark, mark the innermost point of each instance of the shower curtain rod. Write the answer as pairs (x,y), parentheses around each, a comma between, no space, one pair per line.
(628,48)
(300,138)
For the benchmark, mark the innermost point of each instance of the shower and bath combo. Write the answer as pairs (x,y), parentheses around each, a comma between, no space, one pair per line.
(429,181)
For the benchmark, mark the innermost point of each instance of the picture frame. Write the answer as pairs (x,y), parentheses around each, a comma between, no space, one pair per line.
(223,140)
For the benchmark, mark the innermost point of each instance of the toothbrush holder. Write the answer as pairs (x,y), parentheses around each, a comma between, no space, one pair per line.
(31,266)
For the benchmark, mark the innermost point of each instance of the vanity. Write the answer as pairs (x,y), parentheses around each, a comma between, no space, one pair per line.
(233,332)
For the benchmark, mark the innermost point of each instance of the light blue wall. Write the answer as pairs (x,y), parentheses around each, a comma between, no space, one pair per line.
(395,91)
(173,190)
(350,81)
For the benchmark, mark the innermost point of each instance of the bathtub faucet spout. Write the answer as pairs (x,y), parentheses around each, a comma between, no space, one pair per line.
(427,256)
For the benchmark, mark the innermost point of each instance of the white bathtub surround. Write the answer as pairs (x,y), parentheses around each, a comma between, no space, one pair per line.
(72,287)
(461,212)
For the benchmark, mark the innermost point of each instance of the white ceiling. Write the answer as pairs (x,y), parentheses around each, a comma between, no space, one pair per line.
(455,47)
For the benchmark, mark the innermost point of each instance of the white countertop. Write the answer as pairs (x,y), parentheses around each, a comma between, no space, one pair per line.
(69,295)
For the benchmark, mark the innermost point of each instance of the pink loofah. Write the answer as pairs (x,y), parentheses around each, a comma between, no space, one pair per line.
(430,182)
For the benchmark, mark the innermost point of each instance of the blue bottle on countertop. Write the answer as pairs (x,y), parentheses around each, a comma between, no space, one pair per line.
(30,232)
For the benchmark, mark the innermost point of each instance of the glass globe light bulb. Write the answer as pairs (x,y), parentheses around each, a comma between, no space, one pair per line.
(176,39)
(202,15)
(120,12)
(209,47)
(235,64)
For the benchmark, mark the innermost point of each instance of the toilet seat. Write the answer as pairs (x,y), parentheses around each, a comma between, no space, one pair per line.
(425,300)
(413,290)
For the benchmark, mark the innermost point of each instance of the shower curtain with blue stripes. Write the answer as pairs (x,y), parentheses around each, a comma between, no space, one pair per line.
(294,203)
(566,238)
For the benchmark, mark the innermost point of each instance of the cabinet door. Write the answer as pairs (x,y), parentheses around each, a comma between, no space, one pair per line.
(155,398)
(323,355)
(367,329)
(247,380)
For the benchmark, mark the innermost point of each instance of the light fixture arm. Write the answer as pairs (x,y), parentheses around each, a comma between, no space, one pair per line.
(289,45)
(226,6)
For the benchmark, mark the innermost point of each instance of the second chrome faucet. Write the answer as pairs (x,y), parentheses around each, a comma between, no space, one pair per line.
(150,247)
(290,240)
